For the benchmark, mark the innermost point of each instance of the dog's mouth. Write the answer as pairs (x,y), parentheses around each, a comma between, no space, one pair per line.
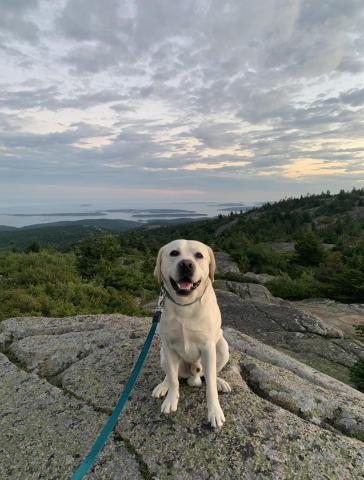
(184,286)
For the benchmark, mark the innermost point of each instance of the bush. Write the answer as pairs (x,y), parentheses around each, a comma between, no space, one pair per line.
(357,374)
(360,330)
(33,247)
(49,284)
(95,256)
(309,249)
(296,289)
(259,258)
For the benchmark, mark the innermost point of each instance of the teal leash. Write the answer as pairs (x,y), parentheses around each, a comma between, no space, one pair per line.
(110,424)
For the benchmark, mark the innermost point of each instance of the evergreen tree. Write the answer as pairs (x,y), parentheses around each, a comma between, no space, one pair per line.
(309,249)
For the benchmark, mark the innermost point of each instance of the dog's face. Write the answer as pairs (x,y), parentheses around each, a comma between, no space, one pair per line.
(185,266)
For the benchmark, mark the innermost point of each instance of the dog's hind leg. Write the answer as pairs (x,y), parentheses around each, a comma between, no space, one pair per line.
(222,353)
(194,381)
(161,389)
(222,357)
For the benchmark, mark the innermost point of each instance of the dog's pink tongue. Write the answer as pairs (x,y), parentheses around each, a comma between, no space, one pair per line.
(185,285)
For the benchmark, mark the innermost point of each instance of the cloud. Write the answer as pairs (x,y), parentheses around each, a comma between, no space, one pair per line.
(309,166)
(172,193)
(16,23)
(213,94)
(200,166)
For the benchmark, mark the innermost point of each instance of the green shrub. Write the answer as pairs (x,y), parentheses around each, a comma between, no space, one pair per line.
(309,248)
(259,258)
(357,374)
(96,255)
(296,289)
(360,330)
(48,284)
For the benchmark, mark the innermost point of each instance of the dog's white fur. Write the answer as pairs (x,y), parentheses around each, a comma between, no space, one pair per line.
(192,339)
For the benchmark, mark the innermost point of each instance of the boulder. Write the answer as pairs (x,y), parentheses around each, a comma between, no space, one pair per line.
(341,315)
(225,263)
(261,277)
(251,309)
(282,247)
(284,419)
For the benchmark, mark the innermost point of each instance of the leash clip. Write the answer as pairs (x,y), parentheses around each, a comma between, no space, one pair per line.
(161,300)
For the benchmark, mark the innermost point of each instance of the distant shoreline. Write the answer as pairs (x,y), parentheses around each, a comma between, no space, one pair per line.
(177,211)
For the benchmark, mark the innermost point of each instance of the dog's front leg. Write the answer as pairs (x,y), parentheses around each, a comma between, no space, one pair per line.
(214,413)
(170,365)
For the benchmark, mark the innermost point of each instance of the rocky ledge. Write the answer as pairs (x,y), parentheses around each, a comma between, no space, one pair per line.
(316,339)
(60,378)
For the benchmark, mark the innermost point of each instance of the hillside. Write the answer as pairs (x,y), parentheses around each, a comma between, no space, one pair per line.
(5,228)
(60,235)
(312,245)
(331,216)
(64,235)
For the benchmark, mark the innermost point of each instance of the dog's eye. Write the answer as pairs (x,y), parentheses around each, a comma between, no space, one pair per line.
(198,255)
(174,253)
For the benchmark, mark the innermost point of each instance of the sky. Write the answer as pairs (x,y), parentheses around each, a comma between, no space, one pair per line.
(154,101)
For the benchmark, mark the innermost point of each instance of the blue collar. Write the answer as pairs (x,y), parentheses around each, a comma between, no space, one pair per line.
(168,295)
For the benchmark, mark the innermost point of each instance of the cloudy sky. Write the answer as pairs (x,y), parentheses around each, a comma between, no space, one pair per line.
(189,100)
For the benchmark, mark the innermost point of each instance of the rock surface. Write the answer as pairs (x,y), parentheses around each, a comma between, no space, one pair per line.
(285,420)
(282,247)
(225,263)
(286,247)
(340,315)
(262,278)
(251,309)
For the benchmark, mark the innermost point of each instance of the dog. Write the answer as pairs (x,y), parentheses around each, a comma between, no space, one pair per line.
(193,345)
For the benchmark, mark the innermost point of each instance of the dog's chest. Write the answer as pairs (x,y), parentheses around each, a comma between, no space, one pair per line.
(186,343)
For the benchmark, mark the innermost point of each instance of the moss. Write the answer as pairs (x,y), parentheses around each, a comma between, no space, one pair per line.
(143,467)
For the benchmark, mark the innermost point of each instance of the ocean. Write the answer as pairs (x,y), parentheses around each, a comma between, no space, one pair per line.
(22,215)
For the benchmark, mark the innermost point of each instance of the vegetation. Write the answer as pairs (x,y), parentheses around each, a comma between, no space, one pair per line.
(357,370)
(58,284)
(357,375)
(313,269)
(104,272)
(60,235)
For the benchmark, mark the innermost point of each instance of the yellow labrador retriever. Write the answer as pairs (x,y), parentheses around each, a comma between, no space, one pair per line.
(190,327)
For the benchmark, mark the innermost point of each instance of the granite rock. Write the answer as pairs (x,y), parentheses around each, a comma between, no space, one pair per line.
(285,420)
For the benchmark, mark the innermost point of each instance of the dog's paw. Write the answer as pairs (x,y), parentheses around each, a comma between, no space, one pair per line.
(160,390)
(222,385)
(216,416)
(194,381)
(169,405)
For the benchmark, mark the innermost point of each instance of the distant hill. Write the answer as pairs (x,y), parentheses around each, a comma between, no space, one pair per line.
(331,216)
(66,233)
(63,234)
(5,228)
(325,235)
(115,225)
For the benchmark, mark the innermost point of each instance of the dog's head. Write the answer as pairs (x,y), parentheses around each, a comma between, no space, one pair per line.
(185,266)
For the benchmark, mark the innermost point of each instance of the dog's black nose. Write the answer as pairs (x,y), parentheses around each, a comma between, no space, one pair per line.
(186,267)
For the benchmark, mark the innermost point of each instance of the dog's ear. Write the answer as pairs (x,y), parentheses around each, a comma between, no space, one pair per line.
(158,266)
(212,267)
